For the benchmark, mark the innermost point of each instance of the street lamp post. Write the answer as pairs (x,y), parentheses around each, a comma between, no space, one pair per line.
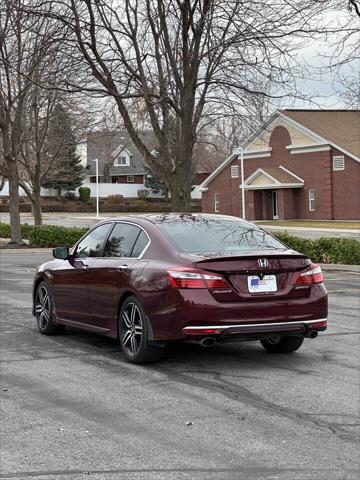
(97,185)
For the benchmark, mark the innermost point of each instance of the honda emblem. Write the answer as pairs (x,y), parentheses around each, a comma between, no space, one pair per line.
(263,262)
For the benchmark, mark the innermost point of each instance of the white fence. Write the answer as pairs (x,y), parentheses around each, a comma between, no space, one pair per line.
(127,190)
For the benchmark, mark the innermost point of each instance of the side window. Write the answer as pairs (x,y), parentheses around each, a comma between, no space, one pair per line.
(140,244)
(216,202)
(121,240)
(312,200)
(91,245)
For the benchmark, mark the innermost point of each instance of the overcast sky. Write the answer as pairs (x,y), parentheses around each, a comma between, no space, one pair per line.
(326,89)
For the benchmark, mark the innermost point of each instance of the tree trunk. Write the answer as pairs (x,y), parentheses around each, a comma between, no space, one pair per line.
(15,224)
(59,194)
(180,182)
(36,207)
(180,198)
(180,190)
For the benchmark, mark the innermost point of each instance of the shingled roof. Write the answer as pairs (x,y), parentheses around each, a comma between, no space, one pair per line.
(102,144)
(339,127)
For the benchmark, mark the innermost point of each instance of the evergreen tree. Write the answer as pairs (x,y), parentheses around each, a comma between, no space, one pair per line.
(155,184)
(67,172)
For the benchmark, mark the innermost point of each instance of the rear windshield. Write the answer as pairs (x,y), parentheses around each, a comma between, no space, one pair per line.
(202,235)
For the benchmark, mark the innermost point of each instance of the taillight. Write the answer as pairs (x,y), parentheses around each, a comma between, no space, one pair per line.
(183,277)
(313,275)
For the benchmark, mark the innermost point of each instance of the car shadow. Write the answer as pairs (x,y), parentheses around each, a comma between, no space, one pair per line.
(185,355)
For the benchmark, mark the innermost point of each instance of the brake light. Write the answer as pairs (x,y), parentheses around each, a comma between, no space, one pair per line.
(183,277)
(313,275)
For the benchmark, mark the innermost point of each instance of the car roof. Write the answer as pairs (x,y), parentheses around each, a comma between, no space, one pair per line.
(159,218)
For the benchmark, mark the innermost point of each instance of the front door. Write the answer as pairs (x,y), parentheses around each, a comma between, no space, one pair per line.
(70,282)
(274,199)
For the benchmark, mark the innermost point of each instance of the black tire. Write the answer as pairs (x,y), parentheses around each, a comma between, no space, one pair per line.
(135,333)
(45,311)
(282,344)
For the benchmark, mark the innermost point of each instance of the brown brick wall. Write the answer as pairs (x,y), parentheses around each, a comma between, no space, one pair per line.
(346,189)
(229,190)
(199,178)
(337,194)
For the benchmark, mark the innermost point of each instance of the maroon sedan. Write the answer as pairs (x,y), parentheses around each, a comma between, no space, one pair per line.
(153,279)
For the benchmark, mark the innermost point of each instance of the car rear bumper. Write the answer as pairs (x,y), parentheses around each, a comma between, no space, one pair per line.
(195,313)
(295,327)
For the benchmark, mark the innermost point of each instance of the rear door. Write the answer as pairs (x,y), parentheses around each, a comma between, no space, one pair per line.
(113,272)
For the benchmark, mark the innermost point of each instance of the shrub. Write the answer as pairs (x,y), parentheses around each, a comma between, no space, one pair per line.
(26,230)
(70,195)
(325,250)
(5,231)
(322,250)
(114,199)
(143,193)
(52,236)
(84,193)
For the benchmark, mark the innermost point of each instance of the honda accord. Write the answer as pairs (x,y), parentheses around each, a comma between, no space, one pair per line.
(152,279)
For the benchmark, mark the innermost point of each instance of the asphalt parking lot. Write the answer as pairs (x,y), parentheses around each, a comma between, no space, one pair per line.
(72,408)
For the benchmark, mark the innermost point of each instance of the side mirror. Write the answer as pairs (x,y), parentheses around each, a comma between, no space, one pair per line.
(61,252)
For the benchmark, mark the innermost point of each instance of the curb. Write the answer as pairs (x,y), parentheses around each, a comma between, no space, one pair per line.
(339,267)
(19,251)
(354,231)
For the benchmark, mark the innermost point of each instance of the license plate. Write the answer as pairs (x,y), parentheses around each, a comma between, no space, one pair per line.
(262,285)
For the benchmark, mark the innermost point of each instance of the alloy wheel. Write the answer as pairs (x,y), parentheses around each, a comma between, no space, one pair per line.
(131,329)
(43,307)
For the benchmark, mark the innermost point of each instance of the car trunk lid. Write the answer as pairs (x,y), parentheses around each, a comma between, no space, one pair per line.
(254,275)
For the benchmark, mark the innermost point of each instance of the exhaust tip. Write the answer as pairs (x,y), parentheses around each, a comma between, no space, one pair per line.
(312,334)
(208,342)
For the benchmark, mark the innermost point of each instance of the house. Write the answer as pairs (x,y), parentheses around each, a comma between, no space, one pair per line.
(120,162)
(302,164)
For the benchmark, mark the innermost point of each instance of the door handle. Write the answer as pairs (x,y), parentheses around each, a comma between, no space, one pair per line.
(123,268)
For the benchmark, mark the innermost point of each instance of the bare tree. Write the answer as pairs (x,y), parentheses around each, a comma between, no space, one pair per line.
(24,43)
(182,61)
(35,160)
(344,60)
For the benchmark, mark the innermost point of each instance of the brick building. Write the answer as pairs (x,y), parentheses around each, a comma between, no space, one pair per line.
(302,164)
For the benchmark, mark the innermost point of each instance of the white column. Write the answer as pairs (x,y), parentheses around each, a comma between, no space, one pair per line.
(97,186)
(242,182)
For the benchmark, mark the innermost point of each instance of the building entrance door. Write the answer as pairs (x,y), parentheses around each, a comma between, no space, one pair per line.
(274,199)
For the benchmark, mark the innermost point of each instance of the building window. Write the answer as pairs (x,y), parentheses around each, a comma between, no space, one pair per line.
(130,179)
(216,202)
(234,171)
(339,163)
(122,161)
(311,199)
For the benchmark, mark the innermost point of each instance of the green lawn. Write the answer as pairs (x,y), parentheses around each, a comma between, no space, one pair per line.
(311,223)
